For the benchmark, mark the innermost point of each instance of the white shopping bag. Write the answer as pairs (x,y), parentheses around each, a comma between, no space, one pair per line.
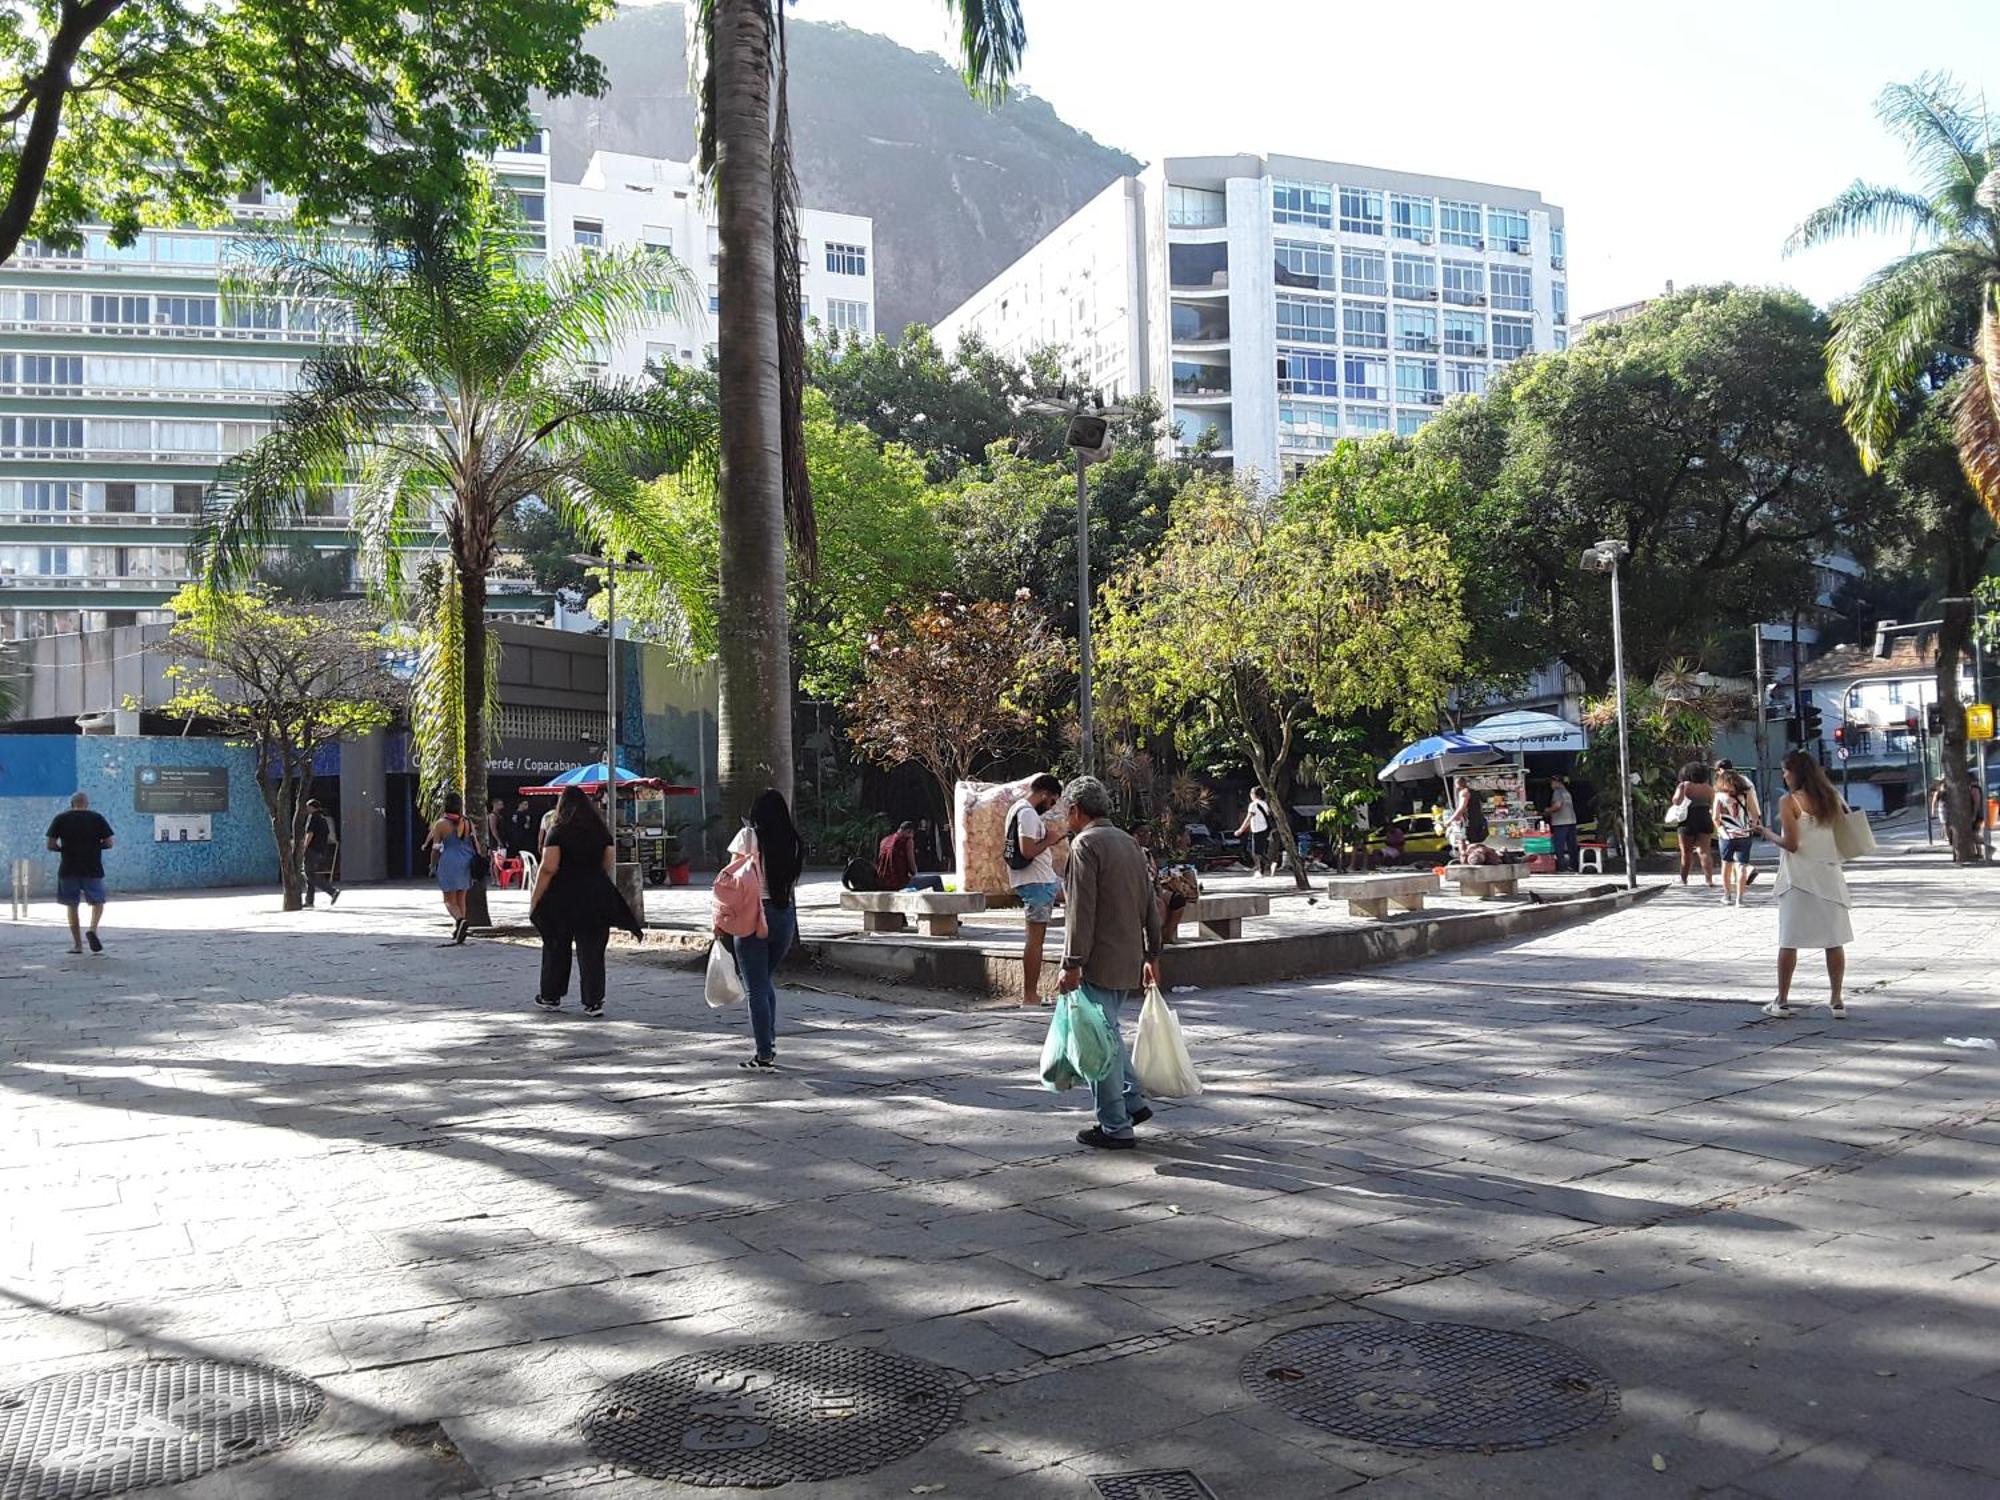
(1159,1056)
(724,985)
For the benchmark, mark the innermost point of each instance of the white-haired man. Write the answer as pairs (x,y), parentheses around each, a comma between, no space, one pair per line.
(81,836)
(1111,945)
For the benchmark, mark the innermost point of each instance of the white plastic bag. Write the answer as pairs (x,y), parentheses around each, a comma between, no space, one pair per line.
(1159,1056)
(724,986)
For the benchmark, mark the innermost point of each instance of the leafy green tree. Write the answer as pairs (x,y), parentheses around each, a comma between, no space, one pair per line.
(745,142)
(1254,618)
(302,574)
(547,545)
(1925,326)
(288,681)
(128,112)
(465,395)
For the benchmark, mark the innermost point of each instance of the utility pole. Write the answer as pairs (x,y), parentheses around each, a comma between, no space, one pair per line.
(1762,776)
(1085,732)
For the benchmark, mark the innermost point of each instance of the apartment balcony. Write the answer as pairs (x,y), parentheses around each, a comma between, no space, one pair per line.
(1408,344)
(1200,325)
(1465,299)
(1416,293)
(1199,269)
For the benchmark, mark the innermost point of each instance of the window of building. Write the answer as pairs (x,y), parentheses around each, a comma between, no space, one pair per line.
(1559,302)
(1513,288)
(1364,377)
(1463,379)
(1302,203)
(846,317)
(715,299)
(1367,419)
(187,499)
(236,436)
(1196,208)
(1417,329)
(1558,247)
(1308,320)
(121,499)
(1508,229)
(1408,422)
(254,314)
(1365,272)
(1417,382)
(1308,372)
(587,233)
(1365,325)
(1416,277)
(1560,337)
(1412,218)
(847,260)
(1464,332)
(534,208)
(1301,264)
(33,435)
(188,437)
(1465,282)
(49,374)
(1895,692)
(1512,337)
(1461,224)
(1304,425)
(108,311)
(1360,210)
(184,312)
(51,496)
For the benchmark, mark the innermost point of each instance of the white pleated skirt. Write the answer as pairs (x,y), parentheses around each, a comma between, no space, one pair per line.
(1809,921)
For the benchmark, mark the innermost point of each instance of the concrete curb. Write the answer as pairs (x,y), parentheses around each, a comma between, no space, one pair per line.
(947,964)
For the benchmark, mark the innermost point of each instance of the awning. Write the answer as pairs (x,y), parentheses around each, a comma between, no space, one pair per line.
(1526,729)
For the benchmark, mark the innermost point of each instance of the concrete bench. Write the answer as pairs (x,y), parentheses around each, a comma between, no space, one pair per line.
(1222,916)
(937,912)
(1373,895)
(1485,881)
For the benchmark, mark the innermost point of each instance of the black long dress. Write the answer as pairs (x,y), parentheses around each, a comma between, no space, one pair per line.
(579,909)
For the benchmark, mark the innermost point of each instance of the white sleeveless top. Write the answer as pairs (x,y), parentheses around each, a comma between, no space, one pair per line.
(1815,868)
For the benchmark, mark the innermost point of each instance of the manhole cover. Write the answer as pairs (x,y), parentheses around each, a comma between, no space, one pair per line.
(772,1414)
(1153,1484)
(100,1432)
(1431,1385)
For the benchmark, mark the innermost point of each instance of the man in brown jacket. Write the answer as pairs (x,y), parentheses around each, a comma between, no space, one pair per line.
(1111,946)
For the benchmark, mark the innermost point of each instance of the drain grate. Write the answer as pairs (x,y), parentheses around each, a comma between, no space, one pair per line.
(772,1414)
(1153,1484)
(1431,1385)
(101,1432)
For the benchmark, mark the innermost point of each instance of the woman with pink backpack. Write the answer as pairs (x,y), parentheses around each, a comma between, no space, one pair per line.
(754,917)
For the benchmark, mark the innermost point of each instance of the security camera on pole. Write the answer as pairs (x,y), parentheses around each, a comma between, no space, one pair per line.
(1604,558)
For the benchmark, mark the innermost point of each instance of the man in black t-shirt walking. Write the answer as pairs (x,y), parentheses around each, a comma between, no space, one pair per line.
(317,852)
(80,836)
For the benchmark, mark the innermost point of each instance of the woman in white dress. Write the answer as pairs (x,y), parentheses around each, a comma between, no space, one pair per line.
(1811,890)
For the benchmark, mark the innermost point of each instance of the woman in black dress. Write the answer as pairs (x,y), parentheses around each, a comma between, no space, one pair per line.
(575,904)
(1697,829)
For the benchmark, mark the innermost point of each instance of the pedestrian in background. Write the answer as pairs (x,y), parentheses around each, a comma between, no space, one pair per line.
(317,853)
(453,845)
(575,904)
(1111,946)
(81,836)
(1256,826)
(1562,824)
(1724,769)
(1031,870)
(1697,824)
(1811,890)
(770,836)
(1736,819)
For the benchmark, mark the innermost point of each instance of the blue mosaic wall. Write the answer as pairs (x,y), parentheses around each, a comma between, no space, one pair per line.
(38,773)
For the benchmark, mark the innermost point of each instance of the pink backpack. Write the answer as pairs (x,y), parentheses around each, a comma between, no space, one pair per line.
(737,904)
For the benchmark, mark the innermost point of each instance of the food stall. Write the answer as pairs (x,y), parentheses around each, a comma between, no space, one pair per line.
(644,832)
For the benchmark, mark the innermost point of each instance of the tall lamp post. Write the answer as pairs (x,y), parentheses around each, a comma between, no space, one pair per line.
(1604,558)
(611,568)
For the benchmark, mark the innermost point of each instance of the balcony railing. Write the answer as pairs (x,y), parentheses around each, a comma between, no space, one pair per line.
(1205,386)
(182,520)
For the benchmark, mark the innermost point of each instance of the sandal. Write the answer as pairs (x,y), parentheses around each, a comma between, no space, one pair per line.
(1777,1010)
(1839,1009)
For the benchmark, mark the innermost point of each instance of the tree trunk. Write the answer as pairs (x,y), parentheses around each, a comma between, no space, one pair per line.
(472,623)
(1962,801)
(281,799)
(1269,770)
(752,645)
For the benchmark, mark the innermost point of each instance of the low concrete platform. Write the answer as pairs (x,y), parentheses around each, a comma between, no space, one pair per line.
(936,912)
(1486,881)
(1372,895)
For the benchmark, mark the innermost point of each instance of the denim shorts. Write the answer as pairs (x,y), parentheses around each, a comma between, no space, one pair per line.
(1736,849)
(1039,900)
(72,889)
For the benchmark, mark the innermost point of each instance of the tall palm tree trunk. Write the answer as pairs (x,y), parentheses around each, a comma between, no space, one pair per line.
(753,647)
(472,621)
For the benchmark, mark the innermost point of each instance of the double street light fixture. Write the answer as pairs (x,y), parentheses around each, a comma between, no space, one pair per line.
(1604,558)
(611,568)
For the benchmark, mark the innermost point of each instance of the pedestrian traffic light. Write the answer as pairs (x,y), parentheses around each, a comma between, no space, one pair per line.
(1840,734)
(1810,719)
(1934,718)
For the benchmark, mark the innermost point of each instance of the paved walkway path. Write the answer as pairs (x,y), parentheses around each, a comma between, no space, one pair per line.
(326,1142)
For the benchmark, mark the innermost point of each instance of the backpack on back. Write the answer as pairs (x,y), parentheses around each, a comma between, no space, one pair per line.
(1010,849)
(1475,825)
(737,905)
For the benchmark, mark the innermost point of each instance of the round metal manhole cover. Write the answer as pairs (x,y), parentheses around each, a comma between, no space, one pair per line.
(101,1432)
(1431,1385)
(772,1414)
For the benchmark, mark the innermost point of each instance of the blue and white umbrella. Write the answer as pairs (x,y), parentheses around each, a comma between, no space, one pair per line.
(1524,729)
(1440,755)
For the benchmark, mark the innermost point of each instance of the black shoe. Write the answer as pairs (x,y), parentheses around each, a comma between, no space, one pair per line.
(594,1010)
(459,930)
(1142,1114)
(333,898)
(1103,1142)
(759,1064)
(95,946)
(547,1004)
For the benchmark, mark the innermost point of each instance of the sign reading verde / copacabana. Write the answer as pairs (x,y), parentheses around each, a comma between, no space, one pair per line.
(180,789)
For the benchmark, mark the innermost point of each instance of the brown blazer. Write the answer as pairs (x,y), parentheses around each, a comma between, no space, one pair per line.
(1113,922)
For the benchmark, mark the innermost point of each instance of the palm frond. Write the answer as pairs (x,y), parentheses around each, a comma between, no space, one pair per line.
(1976,412)
(588,301)
(1946,139)
(991,39)
(1885,335)
(437,691)
(1865,208)
(800,519)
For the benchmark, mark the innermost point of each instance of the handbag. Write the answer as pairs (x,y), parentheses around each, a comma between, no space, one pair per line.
(1677,814)
(1851,834)
(1159,1053)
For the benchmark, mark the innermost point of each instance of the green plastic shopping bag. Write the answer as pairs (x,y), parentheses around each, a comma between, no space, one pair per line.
(1057,1074)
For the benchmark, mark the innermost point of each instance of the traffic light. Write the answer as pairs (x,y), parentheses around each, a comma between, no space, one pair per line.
(1840,734)
(1809,719)
(1934,718)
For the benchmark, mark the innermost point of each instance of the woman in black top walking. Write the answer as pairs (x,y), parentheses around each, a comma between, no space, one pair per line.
(575,904)
(769,834)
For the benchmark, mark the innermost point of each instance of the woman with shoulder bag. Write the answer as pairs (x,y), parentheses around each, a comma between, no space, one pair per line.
(1696,823)
(772,844)
(1811,890)
(575,903)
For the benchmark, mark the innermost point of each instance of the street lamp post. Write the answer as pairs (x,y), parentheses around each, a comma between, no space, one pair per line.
(611,569)
(1604,558)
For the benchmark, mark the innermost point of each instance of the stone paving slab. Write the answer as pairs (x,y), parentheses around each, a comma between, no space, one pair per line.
(325,1141)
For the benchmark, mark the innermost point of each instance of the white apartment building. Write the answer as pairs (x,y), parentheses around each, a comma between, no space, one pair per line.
(643,200)
(1275,304)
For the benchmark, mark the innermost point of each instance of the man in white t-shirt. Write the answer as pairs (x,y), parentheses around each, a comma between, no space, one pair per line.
(1032,873)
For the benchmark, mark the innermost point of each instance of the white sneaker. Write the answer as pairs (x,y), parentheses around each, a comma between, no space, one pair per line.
(1778,1011)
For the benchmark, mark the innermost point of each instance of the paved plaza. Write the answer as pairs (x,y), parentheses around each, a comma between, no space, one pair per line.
(325,1142)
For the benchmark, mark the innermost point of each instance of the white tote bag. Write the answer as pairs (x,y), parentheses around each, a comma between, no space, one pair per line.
(724,986)
(1159,1055)
(1853,836)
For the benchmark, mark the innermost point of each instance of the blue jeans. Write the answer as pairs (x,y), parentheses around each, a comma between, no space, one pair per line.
(1118,1095)
(1562,836)
(757,959)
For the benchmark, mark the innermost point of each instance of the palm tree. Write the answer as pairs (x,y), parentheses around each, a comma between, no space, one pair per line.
(1927,327)
(765,498)
(463,391)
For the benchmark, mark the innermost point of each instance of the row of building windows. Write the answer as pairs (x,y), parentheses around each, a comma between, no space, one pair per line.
(1355,210)
(74,437)
(1421,330)
(142,374)
(1306,266)
(168,313)
(1365,377)
(1315,426)
(65,499)
(94,562)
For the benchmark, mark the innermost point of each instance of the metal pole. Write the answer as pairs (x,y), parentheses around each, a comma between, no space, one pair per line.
(1624,754)
(1763,722)
(1979,696)
(1086,740)
(611,704)
(1924,760)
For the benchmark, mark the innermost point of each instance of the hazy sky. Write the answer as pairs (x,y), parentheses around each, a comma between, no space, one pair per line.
(1683,138)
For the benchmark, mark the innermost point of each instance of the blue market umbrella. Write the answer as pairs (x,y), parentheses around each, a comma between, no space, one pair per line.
(1524,729)
(591,778)
(1440,755)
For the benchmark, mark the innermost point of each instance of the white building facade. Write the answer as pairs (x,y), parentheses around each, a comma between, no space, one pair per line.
(1275,304)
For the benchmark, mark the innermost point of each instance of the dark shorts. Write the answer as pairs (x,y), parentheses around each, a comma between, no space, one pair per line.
(1736,849)
(74,889)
